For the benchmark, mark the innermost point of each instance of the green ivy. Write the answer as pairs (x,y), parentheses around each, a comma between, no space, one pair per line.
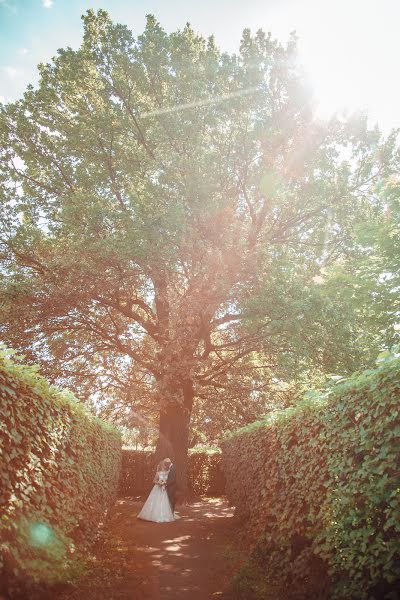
(58,474)
(317,490)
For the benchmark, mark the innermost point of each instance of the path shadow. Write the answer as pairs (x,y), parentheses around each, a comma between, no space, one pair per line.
(186,557)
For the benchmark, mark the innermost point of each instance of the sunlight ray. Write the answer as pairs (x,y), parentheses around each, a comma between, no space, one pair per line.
(200,103)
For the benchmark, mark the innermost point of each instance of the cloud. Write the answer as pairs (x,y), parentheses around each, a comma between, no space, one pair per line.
(22,51)
(11,72)
(47,3)
(10,6)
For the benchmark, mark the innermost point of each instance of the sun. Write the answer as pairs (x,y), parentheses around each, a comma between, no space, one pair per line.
(347,48)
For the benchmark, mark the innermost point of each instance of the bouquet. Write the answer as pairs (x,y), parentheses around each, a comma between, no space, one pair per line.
(161,482)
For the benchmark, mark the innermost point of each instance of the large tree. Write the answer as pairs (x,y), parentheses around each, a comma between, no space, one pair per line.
(167,209)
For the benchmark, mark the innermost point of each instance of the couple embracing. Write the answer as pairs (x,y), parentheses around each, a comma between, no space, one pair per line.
(160,505)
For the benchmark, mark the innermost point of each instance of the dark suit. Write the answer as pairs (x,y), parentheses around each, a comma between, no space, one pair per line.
(171,486)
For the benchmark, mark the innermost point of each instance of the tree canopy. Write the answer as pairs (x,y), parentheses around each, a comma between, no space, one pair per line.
(176,223)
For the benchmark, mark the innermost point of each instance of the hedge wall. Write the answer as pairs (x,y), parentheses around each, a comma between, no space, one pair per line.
(205,473)
(59,472)
(317,490)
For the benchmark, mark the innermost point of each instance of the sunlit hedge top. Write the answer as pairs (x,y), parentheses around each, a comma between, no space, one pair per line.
(327,472)
(59,471)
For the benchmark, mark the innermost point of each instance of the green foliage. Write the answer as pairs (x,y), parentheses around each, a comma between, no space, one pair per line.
(366,287)
(59,473)
(205,476)
(205,472)
(137,472)
(319,491)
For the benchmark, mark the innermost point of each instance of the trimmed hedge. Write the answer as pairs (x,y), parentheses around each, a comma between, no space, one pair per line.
(205,473)
(59,472)
(317,490)
(137,472)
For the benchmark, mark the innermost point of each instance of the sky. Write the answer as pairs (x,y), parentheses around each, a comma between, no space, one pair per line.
(350,49)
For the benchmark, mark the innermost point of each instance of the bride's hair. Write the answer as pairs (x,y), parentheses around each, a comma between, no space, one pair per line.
(163,465)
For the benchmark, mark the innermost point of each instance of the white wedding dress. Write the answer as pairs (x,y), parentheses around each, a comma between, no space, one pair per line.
(157,507)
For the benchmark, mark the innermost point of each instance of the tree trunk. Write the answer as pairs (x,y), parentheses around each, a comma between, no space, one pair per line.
(173,438)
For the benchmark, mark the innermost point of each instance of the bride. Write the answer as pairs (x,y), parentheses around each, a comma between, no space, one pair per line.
(157,507)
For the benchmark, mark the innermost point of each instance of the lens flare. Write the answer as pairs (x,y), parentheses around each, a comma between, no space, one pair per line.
(200,103)
(40,534)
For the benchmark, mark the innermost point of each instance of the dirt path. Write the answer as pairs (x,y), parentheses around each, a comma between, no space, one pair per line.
(137,560)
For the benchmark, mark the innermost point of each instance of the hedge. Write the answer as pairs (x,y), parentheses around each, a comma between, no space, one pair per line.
(317,492)
(58,474)
(205,472)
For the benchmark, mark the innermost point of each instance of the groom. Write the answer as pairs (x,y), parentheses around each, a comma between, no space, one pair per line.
(171,483)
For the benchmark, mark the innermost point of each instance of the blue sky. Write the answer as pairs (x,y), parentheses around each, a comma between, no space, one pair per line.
(350,48)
